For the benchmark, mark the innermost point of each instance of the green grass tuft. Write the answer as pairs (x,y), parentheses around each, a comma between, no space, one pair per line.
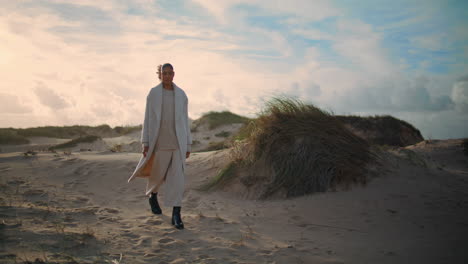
(9,136)
(124,130)
(223,134)
(217,119)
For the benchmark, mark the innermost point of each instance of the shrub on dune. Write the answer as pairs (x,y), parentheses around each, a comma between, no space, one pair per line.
(294,149)
(10,137)
(217,119)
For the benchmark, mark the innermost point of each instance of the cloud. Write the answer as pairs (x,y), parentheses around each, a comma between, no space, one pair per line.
(313,50)
(11,104)
(306,91)
(50,98)
(397,95)
(311,10)
(434,42)
(437,125)
(460,95)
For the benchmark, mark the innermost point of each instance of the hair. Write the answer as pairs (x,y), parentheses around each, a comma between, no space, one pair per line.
(161,68)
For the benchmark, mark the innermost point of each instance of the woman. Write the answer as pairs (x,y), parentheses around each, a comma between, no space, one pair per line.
(166,143)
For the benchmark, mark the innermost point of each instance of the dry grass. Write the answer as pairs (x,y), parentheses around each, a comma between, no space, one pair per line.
(297,149)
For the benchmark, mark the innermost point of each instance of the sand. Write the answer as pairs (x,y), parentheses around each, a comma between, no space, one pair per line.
(79,208)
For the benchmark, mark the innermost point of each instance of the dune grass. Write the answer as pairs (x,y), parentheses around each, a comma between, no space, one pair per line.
(307,149)
(388,127)
(217,119)
(223,134)
(9,136)
(74,142)
(64,131)
(215,146)
(124,130)
(15,136)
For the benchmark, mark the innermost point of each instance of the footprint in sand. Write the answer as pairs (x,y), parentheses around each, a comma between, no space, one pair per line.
(144,241)
(5,169)
(91,210)
(265,252)
(193,201)
(16,182)
(80,200)
(130,234)
(153,222)
(34,192)
(110,219)
(109,211)
(165,240)
(178,261)
(170,243)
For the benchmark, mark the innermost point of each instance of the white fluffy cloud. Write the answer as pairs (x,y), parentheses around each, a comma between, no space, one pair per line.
(92,62)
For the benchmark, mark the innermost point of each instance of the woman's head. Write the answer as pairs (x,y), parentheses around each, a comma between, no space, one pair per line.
(166,73)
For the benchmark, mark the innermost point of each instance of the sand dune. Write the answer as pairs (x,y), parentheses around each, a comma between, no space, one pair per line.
(79,208)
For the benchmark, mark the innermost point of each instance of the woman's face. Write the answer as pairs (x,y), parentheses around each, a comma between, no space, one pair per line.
(167,75)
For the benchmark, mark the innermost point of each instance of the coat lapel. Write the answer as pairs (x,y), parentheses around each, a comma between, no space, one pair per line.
(177,101)
(157,100)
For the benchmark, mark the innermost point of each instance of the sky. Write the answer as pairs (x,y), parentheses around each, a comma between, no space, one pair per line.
(91,62)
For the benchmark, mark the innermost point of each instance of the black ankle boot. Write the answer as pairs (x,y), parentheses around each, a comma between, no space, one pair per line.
(176,219)
(153,201)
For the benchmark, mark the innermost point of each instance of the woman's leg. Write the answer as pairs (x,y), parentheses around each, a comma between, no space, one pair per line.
(159,170)
(174,187)
(174,184)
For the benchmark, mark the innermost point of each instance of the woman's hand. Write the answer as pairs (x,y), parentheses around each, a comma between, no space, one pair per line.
(145,150)
(187,154)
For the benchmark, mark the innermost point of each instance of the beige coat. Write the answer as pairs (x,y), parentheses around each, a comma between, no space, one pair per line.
(151,125)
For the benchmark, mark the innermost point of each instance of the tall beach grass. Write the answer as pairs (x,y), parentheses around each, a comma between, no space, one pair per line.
(296,149)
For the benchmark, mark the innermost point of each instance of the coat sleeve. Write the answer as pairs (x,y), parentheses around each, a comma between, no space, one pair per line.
(144,131)
(189,136)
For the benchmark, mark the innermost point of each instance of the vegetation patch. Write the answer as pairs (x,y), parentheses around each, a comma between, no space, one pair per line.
(223,134)
(383,130)
(217,119)
(215,146)
(16,136)
(74,142)
(296,149)
(124,130)
(9,136)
